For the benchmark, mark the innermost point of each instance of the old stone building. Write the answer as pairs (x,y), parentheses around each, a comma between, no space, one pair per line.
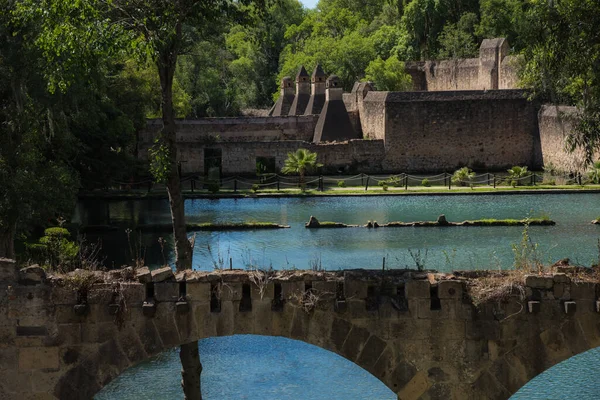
(464,112)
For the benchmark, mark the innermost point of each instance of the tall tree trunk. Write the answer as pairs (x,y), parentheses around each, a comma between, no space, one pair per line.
(7,240)
(188,353)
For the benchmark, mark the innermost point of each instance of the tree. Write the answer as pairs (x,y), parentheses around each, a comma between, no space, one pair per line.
(563,64)
(389,74)
(300,162)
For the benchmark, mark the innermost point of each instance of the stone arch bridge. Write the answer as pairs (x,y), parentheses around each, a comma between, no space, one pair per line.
(419,333)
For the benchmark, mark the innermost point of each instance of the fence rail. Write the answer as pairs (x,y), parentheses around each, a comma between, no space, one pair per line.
(281,182)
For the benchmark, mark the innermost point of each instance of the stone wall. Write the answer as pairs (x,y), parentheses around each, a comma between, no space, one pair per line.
(555,125)
(236,129)
(442,131)
(240,158)
(420,334)
(373,116)
(493,69)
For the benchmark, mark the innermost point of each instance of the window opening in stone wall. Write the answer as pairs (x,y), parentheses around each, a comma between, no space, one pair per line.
(436,304)
(277,303)
(265,167)
(246,302)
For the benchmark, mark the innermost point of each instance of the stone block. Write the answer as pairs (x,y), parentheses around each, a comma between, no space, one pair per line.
(418,289)
(561,278)
(198,291)
(539,282)
(450,289)
(339,332)
(143,275)
(583,291)
(325,287)
(32,275)
(533,307)
(162,274)
(268,291)
(166,291)
(63,295)
(354,343)
(355,289)
(289,289)
(570,307)
(371,352)
(231,291)
(101,294)
(134,293)
(8,270)
(562,291)
(37,358)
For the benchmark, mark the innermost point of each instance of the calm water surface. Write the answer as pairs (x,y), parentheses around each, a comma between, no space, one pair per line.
(445,248)
(253,368)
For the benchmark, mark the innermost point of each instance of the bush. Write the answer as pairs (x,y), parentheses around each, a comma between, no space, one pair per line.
(341,184)
(60,253)
(255,188)
(463,176)
(213,187)
(393,181)
(515,174)
(384,185)
(425,182)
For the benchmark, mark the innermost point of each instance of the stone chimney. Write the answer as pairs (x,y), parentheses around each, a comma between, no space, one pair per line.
(302,93)
(285,100)
(317,92)
(334,123)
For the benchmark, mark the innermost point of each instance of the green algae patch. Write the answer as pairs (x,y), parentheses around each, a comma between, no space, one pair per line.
(441,221)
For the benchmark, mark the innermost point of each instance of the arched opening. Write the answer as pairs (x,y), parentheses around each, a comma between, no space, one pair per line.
(252,367)
(575,378)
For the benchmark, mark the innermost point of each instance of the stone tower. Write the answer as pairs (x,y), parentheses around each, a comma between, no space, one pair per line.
(317,92)
(302,93)
(334,123)
(285,100)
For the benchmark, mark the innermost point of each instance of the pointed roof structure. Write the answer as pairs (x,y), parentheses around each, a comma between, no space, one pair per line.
(318,74)
(302,74)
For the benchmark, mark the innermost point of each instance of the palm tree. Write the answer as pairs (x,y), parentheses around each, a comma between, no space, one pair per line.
(594,173)
(515,174)
(300,162)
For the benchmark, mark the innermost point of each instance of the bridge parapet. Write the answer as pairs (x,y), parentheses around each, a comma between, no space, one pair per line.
(422,334)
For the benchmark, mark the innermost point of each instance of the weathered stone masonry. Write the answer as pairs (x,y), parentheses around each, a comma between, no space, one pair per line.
(422,340)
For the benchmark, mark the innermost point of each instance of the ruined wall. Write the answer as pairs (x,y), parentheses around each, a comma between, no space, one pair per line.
(493,69)
(435,131)
(237,129)
(373,115)
(240,158)
(555,125)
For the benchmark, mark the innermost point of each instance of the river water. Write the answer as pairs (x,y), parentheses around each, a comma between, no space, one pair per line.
(443,249)
(254,367)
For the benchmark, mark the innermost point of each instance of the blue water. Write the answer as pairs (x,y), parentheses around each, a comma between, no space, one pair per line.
(446,249)
(252,368)
(572,379)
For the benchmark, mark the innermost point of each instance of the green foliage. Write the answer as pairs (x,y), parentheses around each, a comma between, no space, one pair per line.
(425,182)
(526,254)
(458,40)
(463,176)
(60,253)
(300,162)
(159,161)
(213,187)
(594,173)
(341,184)
(255,188)
(516,174)
(389,74)
(384,185)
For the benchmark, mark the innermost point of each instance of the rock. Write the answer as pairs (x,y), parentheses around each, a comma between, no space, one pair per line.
(312,222)
(442,220)
(143,275)
(369,224)
(33,274)
(162,274)
(375,224)
(539,282)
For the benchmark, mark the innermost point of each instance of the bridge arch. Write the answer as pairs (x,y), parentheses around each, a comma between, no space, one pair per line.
(420,334)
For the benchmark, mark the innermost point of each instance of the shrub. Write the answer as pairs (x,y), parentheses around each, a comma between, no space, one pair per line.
(393,181)
(516,173)
(341,184)
(213,187)
(60,252)
(425,182)
(594,173)
(384,185)
(255,188)
(463,176)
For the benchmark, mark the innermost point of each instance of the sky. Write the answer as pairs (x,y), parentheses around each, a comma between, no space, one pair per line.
(309,3)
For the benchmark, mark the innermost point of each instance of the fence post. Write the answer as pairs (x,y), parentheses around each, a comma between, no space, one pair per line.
(235,185)
(362,182)
(494,181)
(383,266)
(488,179)
(192,184)
(533,179)
(367,185)
(321,183)
(278,183)
(406,182)
(230,263)
(449,183)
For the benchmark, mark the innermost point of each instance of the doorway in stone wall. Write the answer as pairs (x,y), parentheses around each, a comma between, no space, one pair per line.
(213,164)
(265,168)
